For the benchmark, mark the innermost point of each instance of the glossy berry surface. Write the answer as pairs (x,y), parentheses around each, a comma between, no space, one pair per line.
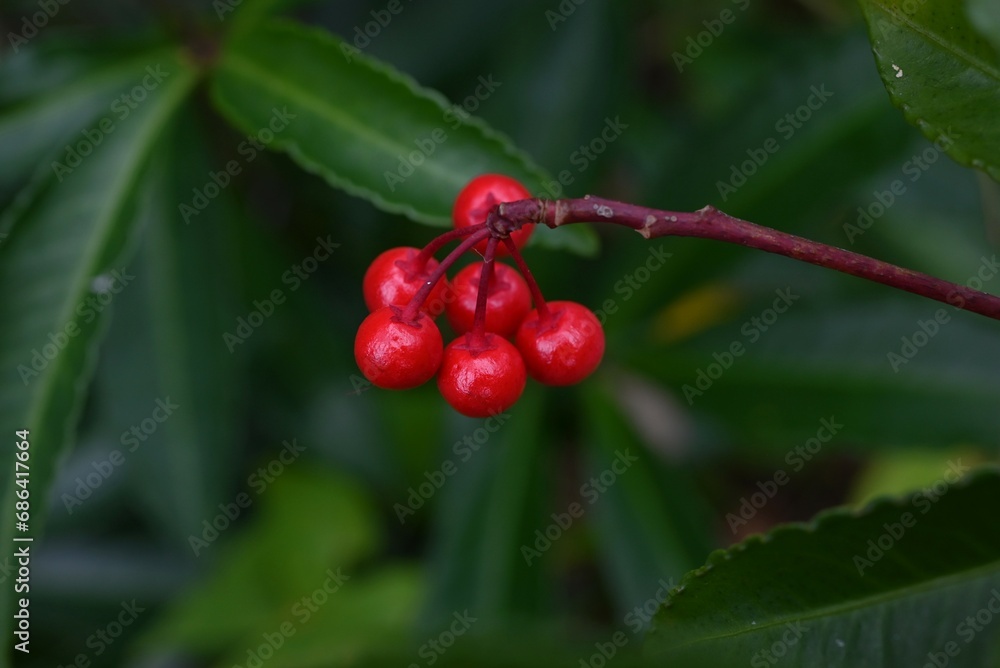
(398,355)
(479,381)
(393,278)
(508,299)
(563,349)
(483,193)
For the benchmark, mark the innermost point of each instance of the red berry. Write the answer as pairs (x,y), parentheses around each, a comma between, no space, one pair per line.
(508,299)
(397,355)
(479,196)
(564,348)
(393,278)
(481,380)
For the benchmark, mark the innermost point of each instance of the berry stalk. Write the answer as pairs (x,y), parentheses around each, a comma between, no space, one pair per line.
(409,313)
(439,242)
(522,266)
(710,223)
(477,337)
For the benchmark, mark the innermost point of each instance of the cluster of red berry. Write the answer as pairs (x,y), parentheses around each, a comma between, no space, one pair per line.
(488,304)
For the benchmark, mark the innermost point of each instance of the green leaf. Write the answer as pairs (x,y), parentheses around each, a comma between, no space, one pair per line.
(849,362)
(247,14)
(890,586)
(647,520)
(310,522)
(985,16)
(486,512)
(896,472)
(59,121)
(362,125)
(372,612)
(64,244)
(943,74)
(166,381)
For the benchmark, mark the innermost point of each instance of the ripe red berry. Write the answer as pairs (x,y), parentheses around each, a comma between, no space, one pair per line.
(508,299)
(397,355)
(483,193)
(563,349)
(484,379)
(393,278)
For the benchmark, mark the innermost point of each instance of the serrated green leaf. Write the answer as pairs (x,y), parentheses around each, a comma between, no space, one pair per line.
(70,234)
(943,74)
(890,586)
(362,125)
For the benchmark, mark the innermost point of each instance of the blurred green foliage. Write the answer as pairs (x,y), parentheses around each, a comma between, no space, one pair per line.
(209,454)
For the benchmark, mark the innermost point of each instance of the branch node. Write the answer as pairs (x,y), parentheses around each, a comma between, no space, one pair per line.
(648,223)
(561,210)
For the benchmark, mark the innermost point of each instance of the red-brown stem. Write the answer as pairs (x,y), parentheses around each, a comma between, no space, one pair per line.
(536,292)
(438,242)
(409,313)
(477,337)
(710,223)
